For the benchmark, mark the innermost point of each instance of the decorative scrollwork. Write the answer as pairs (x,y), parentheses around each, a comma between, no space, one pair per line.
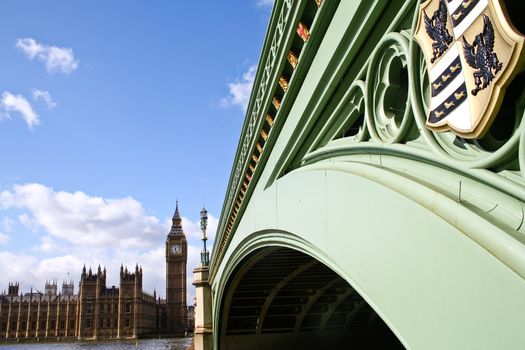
(354,127)
(389,114)
(347,120)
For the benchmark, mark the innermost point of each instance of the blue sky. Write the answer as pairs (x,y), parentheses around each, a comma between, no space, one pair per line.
(109,112)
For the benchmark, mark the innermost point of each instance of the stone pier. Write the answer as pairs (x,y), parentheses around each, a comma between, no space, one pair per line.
(202,339)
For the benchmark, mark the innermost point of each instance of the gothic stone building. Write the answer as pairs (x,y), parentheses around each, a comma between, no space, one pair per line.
(99,312)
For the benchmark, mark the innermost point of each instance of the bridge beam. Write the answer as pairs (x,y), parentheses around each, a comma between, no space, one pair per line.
(278,287)
(311,301)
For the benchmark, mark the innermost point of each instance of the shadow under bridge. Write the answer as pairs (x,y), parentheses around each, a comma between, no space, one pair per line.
(279,298)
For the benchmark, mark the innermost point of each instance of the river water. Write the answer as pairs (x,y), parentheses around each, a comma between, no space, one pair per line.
(149,344)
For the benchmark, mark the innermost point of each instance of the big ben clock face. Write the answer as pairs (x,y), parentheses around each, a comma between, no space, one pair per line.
(176,249)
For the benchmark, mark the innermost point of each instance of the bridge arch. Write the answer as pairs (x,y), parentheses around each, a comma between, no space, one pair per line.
(281,293)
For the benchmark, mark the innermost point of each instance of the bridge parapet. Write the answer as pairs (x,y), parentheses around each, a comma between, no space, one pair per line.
(361,93)
(287,52)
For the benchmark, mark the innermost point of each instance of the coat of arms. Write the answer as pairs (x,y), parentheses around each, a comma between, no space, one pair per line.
(472,54)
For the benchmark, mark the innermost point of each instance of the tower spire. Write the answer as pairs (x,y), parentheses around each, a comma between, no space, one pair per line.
(176,215)
(176,222)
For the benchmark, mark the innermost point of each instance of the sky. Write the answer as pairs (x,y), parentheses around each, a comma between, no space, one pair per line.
(110,111)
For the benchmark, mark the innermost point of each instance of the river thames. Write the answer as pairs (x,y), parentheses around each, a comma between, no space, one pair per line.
(147,344)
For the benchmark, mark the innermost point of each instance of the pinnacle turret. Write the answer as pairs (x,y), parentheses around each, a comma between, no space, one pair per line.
(176,215)
(176,222)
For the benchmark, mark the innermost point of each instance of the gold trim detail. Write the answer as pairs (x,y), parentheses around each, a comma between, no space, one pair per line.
(283,83)
(276,103)
(269,119)
(292,59)
(303,32)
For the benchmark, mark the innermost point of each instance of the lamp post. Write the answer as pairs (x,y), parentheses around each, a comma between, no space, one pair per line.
(205,255)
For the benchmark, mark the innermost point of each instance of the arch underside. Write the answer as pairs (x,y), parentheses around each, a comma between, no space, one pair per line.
(284,298)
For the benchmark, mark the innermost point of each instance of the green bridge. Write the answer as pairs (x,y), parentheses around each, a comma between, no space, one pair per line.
(348,221)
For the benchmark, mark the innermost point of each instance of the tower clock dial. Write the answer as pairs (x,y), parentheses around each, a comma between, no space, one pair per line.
(176,249)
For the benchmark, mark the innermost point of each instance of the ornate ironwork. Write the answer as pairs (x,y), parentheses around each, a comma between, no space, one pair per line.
(256,109)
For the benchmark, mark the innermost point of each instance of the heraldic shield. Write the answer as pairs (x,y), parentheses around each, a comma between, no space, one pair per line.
(472,54)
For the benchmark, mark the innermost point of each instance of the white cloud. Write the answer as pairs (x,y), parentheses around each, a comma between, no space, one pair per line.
(153,263)
(83,220)
(6,225)
(28,222)
(32,272)
(194,260)
(30,47)
(56,59)
(73,228)
(265,3)
(193,229)
(58,268)
(21,271)
(61,59)
(240,90)
(4,239)
(19,104)
(45,96)
(49,245)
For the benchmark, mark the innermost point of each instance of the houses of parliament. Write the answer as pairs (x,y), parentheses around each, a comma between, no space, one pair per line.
(101,312)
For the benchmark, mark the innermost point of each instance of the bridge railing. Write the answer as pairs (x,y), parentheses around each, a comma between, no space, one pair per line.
(287,52)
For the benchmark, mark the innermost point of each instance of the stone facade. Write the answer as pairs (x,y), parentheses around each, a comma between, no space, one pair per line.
(99,312)
(96,312)
(124,312)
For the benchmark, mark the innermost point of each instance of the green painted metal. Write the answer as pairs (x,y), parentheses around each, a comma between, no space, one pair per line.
(406,248)
(428,228)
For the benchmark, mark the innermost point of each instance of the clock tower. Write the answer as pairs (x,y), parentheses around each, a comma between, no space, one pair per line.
(176,259)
